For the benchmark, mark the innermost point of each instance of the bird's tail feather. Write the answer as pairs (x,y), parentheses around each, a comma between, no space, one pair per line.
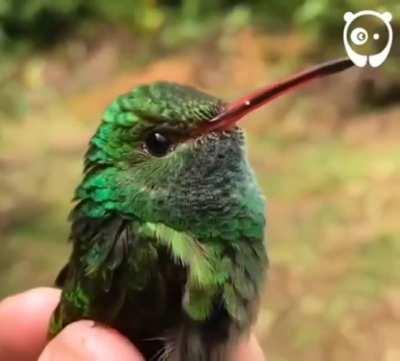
(194,343)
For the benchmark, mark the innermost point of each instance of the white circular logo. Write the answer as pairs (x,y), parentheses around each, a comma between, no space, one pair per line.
(359,36)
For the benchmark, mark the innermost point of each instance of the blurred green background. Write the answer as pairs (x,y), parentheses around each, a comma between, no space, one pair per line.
(327,157)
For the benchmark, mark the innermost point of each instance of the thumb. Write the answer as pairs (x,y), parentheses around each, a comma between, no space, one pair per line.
(87,341)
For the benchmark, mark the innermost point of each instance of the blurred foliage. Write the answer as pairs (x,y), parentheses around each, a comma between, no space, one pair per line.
(43,22)
(321,17)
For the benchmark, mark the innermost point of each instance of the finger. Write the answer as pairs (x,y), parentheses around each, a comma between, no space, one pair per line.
(247,349)
(24,320)
(87,341)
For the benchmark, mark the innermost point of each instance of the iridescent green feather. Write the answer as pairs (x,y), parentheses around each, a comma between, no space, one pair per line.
(176,241)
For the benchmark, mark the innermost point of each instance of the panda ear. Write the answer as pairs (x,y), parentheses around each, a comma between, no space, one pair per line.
(387,16)
(348,16)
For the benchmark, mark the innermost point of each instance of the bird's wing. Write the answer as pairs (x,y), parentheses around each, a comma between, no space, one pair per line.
(94,279)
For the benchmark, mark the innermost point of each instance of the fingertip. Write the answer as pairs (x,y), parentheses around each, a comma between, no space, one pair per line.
(24,319)
(33,304)
(85,340)
(248,349)
(33,298)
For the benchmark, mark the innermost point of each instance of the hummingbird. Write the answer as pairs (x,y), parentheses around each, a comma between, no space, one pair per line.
(169,221)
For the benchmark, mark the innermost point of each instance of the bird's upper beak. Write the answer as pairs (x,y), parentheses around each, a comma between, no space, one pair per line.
(238,109)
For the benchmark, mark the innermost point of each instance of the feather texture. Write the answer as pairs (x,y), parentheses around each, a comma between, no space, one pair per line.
(168,250)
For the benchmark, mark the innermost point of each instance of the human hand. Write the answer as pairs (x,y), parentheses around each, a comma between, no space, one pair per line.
(24,320)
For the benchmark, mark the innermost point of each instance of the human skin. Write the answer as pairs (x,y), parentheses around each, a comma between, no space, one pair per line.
(24,320)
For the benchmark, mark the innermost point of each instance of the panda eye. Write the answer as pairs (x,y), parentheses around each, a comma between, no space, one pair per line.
(158,144)
(359,36)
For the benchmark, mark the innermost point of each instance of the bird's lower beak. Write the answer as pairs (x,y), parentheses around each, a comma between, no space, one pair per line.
(238,109)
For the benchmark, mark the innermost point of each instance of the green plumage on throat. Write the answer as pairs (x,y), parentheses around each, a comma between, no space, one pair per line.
(168,226)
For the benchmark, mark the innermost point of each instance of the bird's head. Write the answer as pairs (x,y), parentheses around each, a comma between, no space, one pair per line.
(171,154)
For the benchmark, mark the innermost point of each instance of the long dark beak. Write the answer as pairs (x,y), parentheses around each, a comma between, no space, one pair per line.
(238,109)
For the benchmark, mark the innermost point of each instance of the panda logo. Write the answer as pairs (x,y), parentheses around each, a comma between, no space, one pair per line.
(364,46)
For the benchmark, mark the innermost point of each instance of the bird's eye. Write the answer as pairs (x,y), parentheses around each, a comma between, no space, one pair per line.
(158,144)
